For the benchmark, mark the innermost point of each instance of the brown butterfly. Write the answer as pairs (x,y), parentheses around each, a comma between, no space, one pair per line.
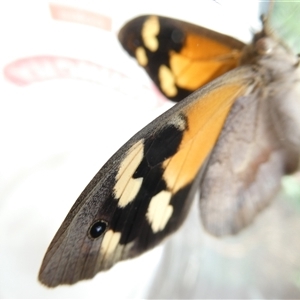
(235,138)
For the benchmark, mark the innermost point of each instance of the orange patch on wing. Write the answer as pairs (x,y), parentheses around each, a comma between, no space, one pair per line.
(200,47)
(205,117)
(191,74)
(201,60)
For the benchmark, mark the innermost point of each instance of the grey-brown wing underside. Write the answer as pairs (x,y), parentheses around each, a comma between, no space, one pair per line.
(245,167)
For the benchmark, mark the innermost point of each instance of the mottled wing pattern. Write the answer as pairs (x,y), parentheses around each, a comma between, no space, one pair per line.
(143,192)
(178,56)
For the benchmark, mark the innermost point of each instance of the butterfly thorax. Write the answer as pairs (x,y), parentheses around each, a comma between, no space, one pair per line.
(266,49)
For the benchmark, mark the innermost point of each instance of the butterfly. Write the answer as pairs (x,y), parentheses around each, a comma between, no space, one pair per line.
(234,135)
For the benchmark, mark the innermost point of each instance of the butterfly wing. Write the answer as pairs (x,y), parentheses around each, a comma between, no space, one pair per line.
(142,194)
(259,143)
(178,56)
(245,169)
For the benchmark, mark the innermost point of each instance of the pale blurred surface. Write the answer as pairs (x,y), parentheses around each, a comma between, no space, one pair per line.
(56,134)
(262,262)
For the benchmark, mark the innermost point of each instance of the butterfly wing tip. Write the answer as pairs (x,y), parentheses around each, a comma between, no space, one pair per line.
(46,283)
(49,282)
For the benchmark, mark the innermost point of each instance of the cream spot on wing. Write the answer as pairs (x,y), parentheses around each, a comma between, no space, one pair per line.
(110,242)
(124,180)
(135,150)
(167,81)
(141,56)
(130,191)
(159,211)
(179,122)
(149,32)
(107,260)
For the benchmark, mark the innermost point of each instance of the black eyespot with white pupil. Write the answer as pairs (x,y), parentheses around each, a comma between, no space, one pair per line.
(97,229)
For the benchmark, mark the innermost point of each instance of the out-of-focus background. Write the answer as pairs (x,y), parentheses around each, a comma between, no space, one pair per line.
(69,98)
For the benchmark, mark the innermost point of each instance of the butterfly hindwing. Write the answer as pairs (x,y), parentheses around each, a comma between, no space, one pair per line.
(179,57)
(259,143)
(142,194)
(244,170)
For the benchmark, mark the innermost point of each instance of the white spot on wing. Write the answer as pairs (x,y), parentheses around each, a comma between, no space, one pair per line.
(159,211)
(149,32)
(110,242)
(141,56)
(167,81)
(178,121)
(127,187)
(130,191)
(106,260)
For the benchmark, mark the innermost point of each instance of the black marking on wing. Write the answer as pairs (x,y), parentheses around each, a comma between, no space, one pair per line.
(147,239)
(171,38)
(131,219)
(162,146)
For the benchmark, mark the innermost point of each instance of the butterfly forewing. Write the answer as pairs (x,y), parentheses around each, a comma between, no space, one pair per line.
(144,191)
(178,56)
